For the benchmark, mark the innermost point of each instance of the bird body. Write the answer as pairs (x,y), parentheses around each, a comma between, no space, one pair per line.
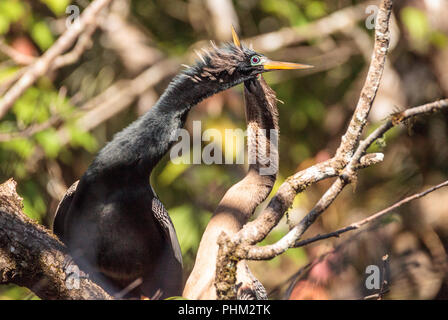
(112,222)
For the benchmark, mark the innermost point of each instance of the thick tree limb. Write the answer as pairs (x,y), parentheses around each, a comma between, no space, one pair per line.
(31,256)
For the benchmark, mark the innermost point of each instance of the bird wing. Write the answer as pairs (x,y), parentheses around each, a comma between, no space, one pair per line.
(162,216)
(62,209)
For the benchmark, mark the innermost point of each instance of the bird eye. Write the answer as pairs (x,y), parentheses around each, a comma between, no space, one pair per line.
(255,60)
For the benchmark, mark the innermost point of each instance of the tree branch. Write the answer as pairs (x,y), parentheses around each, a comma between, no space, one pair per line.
(346,176)
(47,61)
(258,229)
(31,256)
(376,216)
(242,245)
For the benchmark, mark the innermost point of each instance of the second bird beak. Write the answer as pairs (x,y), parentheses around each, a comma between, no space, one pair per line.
(279,65)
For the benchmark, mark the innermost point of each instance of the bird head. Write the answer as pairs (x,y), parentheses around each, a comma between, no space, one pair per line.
(234,63)
(257,63)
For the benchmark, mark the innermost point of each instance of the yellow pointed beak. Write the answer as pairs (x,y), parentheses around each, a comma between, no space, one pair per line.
(279,65)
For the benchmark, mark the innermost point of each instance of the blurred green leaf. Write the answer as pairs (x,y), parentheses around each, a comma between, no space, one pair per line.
(57,6)
(188,228)
(416,22)
(22,147)
(80,138)
(33,203)
(316,9)
(171,172)
(13,292)
(32,106)
(5,73)
(49,140)
(12,10)
(439,39)
(284,8)
(4,24)
(41,34)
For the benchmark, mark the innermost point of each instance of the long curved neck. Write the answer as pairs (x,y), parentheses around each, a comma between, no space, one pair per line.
(262,127)
(144,142)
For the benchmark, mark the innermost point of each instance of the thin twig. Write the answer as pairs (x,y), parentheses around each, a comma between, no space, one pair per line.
(290,240)
(44,63)
(376,216)
(31,130)
(17,56)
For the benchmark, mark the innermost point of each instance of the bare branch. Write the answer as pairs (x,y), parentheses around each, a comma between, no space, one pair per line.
(368,93)
(258,229)
(338,21)
(376,216)
(41,65)
(31,256)
(30,131)
(83,43)
(346,176)
(17,56)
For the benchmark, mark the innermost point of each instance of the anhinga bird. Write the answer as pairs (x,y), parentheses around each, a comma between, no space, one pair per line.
(112,222)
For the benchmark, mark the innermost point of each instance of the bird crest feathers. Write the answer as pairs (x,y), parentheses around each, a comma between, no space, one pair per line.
(236,39)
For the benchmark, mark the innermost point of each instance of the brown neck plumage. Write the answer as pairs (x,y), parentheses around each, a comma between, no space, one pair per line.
(241,200)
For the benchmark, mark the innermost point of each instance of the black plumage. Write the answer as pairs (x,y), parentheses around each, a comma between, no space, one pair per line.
(112,222)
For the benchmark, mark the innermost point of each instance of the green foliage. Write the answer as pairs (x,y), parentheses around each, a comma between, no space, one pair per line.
(82,138)
(417,25)
(50,142)
(286,9)
(171,172)
(316,9)
(33,202)
(190,224)
(57,6)
(32,106)
(22,147)
(419,28)
(11,292)
(10,11)
(7,72)
(41,34)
